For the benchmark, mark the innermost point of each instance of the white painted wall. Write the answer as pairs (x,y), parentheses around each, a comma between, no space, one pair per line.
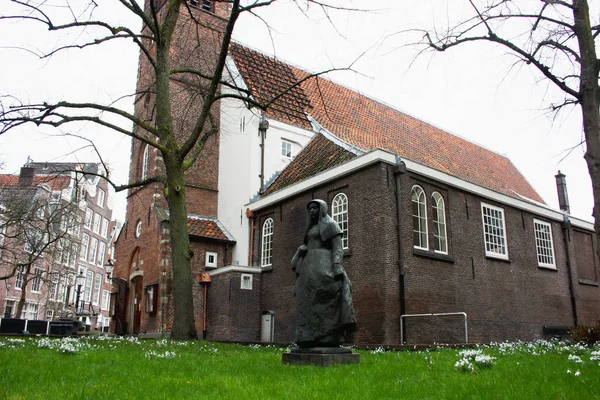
(239,163)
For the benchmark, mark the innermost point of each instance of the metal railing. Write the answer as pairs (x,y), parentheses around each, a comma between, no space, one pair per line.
(464,314)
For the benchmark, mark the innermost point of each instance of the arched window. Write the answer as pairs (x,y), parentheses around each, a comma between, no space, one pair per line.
(266,255)
(440,240)
(145,162)
(419,211)
(339,213)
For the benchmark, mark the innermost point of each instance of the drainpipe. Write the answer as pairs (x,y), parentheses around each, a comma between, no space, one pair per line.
(399,170)
(204,280)
(250,215)
(263,125)
(563,202)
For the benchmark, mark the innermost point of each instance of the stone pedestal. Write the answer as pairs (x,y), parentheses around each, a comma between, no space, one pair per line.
(320,356)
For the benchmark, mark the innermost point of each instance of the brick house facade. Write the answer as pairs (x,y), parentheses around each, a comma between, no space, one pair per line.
(326,141)
(74,281)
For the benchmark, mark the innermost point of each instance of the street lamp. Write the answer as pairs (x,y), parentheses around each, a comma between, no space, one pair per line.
(80,279)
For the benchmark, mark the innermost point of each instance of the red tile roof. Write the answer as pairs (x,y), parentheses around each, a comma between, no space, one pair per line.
(318,155)
(208,228)
(369,124)
(55,182)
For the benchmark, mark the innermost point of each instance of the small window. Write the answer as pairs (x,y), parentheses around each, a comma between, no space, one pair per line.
(20,279)
(543,243)
(101,254)
(105,299)
(339,213)
(89,215)
(36,284)
(246,282)
(494,231)
(440,241)
(266,257)
(105,228)
(145,162)
(93,251)
(138,229)
(419,214)
(101,197)
(49,315)
(32,311)
(97,289)
(85,242)
(151,298)
(286,149)
(41,213)
(97,223)
(9,308)
(211,259)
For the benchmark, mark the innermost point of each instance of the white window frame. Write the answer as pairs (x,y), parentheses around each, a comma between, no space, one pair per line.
(246,281)
(101,254)
(31,310)
(89,215)
(2,234)
(105,223)
(88,286)
(145,157)
(544,244)
(97,289)
(20,278)
(339,213)
(211,259)
(101,197)
(287,149)
(138,229)
(105,299)
(266,254)
(440,233)
(36,282)
(419,219)
(93,250)
(494,236)
(49,315)
(13,307)
(97,223)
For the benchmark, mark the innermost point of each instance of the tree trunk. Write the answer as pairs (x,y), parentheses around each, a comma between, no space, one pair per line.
(588,89)
(183,300)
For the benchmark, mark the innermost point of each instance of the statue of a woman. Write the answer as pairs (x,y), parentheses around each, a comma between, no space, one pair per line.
(323,291)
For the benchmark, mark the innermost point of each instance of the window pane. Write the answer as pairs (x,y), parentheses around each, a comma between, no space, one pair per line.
(419,210)
(339,213)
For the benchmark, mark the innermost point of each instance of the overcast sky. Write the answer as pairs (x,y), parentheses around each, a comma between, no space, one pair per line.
(475,92)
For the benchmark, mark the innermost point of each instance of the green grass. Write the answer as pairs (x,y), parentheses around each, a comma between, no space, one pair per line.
(35,368)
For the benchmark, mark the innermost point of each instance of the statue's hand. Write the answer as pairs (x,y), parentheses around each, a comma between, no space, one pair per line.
(302,250)
(338,270)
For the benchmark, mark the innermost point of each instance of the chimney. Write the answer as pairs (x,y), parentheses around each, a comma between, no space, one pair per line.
(563,195)
(26,176)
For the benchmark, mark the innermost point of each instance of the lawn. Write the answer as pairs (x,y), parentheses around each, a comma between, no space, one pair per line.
(117,368)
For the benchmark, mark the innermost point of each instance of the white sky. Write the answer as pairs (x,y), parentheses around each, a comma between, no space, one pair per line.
(470,91)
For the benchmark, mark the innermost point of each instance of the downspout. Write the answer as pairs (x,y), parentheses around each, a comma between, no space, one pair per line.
(563,202)
(263,125)
(566,229)
(399,170)
(250,215)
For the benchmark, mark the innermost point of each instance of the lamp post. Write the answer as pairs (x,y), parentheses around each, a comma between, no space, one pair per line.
(79,281)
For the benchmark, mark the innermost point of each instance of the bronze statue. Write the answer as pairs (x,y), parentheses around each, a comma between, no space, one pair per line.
(323,291)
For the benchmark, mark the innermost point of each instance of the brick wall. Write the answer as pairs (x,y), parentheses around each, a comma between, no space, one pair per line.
(370,261)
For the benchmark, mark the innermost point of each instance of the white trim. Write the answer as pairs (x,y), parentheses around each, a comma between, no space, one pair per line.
(235,268)
(553,255)
(379,155)
(207,263)
(273,123)
(495,254)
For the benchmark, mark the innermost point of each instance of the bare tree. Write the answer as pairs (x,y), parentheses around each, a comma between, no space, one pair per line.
(181,69)
(556,37)
(38,231)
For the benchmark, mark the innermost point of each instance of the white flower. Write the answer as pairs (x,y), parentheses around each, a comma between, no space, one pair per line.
(577,373)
